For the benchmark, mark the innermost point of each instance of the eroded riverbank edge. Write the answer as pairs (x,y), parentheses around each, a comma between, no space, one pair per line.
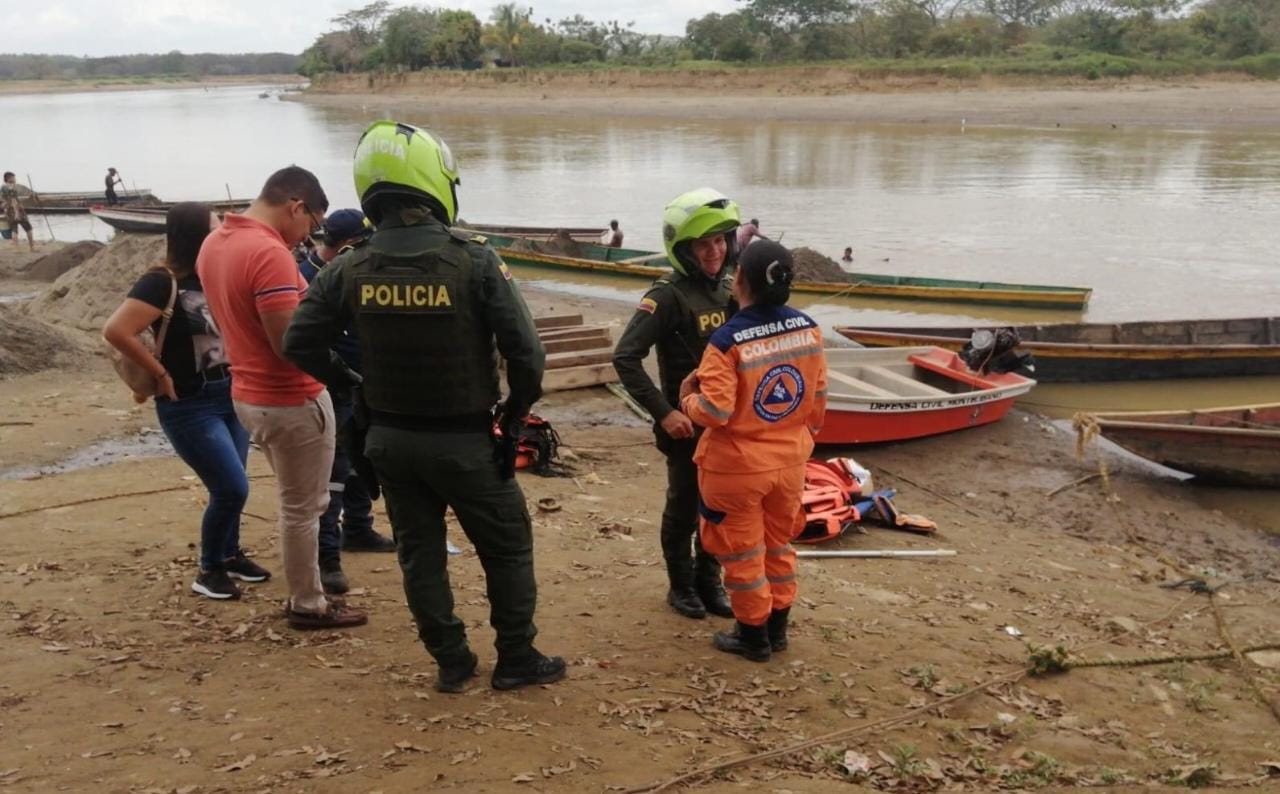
(820,95)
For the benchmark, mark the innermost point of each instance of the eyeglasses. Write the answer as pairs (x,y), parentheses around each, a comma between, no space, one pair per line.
(316,225)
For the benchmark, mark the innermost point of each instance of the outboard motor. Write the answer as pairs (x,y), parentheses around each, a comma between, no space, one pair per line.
(995,350)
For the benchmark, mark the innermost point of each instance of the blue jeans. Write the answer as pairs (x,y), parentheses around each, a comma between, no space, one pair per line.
(207,436)
(348,496)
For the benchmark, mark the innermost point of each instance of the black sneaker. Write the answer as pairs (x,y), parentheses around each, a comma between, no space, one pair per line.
(332,579)
(531,670)
(246,570)
(366,540)
(215,584)
(453,678)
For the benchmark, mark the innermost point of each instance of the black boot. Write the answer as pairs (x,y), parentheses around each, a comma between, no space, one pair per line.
(778,629)
(682,596)
(710,589)
(531,669)
(452,678)
(749,642)
(332,579)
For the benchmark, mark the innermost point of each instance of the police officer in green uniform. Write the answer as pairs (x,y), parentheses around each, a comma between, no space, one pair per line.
(677,316)
(433,308)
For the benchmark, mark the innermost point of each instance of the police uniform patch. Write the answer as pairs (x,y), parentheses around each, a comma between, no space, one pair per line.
(395,295)
(647,305)
(504,270)
(779,393)
(711,319)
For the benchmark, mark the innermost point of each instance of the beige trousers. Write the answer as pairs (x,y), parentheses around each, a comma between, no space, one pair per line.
(298,442)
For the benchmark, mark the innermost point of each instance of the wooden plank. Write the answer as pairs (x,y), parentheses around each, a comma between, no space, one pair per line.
(579,358)
(570,345)
(580,332)
(557,321)
(578,377)
(861,385)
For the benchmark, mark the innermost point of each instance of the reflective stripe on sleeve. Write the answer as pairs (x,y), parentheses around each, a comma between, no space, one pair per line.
(710,408)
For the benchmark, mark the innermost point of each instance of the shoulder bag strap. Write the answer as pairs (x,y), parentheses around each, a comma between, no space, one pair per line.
(167,314)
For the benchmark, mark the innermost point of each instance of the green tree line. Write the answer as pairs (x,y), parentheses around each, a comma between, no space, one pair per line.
(69,67)
(381,36)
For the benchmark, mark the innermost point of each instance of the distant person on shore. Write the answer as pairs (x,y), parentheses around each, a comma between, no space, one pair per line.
(848,256)
(193,394)
(14,212)
(253,287)
(613,237)
(748,232)
(111,181)
(349,497)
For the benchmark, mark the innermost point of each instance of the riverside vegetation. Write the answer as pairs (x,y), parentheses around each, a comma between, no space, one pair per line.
(959,38)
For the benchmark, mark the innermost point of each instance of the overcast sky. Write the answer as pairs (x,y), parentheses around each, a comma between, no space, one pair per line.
(112,27)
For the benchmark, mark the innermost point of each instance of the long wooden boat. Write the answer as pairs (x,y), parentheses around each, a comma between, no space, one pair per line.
(151,220)
(909,392)
(579,234)
(1089,352)
(43,203)
(134,221)
(641,264)
(1236,446)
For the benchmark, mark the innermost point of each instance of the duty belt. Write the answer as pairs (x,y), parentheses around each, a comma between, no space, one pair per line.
(457,423)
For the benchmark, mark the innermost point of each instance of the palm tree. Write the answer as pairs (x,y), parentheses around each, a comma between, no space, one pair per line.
(509,21)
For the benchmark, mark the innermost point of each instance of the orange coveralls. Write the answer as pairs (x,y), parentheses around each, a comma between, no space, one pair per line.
(762,396)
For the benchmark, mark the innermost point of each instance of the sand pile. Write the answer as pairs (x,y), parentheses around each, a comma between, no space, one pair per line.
(561,244)
(28,345)
(813,266)
(50,266)
(85,297)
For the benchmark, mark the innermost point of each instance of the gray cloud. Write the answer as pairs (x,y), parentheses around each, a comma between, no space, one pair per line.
(113,27)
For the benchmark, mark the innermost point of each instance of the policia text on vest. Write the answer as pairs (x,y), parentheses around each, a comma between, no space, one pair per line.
(387,295)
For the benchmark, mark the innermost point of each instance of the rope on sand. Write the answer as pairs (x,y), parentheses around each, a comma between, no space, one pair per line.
(110,497)
(92,500)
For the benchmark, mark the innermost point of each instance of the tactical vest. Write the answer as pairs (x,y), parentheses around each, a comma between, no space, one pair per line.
(426,349)
(703,308)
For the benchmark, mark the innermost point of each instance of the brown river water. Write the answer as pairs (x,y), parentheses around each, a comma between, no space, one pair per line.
(1162,224)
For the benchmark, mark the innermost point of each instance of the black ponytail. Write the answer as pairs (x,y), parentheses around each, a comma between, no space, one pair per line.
(769,271)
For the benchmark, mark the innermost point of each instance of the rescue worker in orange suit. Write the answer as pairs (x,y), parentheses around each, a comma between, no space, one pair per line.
(761,392)
(677,316)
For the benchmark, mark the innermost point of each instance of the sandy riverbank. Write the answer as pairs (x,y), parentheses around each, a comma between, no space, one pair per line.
(111,671)
(141,83)
(819,95)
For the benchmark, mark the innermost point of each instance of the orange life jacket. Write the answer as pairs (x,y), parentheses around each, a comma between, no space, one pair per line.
(830,491)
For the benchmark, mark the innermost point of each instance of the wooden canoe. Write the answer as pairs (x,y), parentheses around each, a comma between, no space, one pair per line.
(1094,352)
(1235,446)
(585,257)
(579,234)
(134,221)
(42,203)
(911,392)
(150,220)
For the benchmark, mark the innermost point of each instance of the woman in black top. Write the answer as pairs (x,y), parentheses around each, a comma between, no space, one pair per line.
(193,394)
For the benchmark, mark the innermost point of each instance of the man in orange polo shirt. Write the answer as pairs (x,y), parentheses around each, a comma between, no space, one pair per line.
(252,285)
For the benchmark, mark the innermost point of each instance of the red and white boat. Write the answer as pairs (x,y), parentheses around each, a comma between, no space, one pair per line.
(892,394)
